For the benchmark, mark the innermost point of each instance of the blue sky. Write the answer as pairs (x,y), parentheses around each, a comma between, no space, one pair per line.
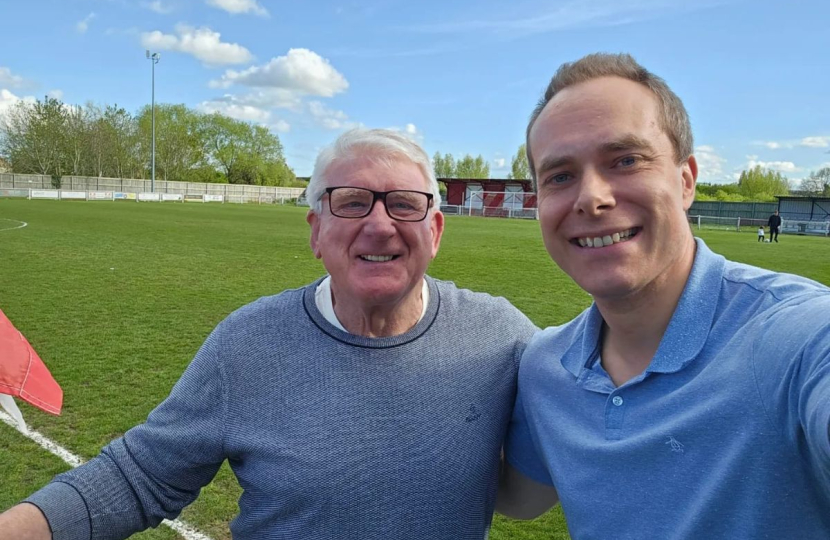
(461,77)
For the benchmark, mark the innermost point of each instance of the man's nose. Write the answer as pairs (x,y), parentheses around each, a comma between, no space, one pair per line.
(378,219)
(596,194)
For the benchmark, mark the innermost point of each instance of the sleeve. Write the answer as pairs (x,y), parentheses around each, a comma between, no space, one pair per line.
(154,470)
(814,404)
(520,449)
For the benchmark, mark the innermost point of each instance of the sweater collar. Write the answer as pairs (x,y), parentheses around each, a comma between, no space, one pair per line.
(368,342)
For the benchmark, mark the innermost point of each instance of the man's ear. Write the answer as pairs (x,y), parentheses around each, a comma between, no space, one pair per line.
(689,177)
(314,221)
(436,226)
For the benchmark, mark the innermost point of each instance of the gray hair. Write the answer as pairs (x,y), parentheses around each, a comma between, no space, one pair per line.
(380,145)
(674,120)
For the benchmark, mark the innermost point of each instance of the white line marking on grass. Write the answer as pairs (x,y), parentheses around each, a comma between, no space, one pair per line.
(22,224)
(184,529)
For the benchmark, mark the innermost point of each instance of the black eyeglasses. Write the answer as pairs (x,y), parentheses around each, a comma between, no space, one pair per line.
(400,204)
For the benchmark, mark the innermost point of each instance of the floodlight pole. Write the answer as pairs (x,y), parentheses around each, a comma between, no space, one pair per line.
(154,59)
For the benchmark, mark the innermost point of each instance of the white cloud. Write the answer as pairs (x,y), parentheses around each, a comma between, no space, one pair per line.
(301,70)
(158,6)
(282,126)
(83,25)
(202,43)
(815,142)
(329,118)
(9,100)
(563,16)
(772,145)
(239,6)
(239,111)
(56,94)
(266,98)
(710,165)
(781,166)
(499,163)
(8,79)
(410,130)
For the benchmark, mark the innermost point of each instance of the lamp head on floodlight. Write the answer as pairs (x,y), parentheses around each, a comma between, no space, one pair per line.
(147,52)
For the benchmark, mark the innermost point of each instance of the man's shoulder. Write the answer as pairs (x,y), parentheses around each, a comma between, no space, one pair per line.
(481,309)
(778,287)
(555,340)
(266,310)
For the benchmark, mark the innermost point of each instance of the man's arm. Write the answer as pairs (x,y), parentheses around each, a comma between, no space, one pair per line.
(522,498)
(149,474)
(24,522)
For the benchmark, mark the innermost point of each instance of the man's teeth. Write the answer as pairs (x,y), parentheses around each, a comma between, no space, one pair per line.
(377,258)
(607,240)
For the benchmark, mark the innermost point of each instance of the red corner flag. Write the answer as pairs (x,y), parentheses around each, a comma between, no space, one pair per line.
(22,372)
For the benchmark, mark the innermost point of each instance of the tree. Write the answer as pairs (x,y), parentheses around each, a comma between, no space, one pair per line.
(51,138)
(179,148)
(34,137)
(470,167)
(444,166)
(817,182)
(520,170)
(761,184)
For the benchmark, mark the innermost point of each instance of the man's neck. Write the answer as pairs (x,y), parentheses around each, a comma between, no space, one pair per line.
(634,326)
(380,320)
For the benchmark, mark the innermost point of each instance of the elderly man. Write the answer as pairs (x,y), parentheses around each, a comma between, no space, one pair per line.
(692,399)
(370,404)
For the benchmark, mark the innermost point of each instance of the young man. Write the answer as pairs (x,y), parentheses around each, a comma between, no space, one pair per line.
(774,223)
(369,404)
(692,399)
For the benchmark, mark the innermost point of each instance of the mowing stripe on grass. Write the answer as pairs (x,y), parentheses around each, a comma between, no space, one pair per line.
(22,224)
(185,530)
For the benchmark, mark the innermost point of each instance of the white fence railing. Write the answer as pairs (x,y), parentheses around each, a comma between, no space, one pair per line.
(144,196)
(230,192)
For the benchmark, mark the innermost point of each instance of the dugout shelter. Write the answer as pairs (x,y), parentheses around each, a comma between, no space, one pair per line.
(804,215)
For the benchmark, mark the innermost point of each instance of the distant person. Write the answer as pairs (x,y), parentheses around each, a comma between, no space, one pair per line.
(760,234)
(691,400)
(370,404)
(774,225)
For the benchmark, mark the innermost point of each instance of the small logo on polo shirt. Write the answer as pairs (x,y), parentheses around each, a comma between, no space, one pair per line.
(472,414)
(675,445)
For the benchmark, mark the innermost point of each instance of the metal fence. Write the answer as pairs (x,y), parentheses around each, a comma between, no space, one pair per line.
(749,210)
(230,192)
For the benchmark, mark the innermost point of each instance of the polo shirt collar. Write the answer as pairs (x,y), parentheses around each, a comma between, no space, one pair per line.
(688,329)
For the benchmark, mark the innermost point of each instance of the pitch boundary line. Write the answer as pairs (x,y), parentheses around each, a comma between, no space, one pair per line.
(24,224)
(184,529)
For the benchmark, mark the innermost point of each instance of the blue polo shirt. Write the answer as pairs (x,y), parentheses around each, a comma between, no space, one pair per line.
(726,435)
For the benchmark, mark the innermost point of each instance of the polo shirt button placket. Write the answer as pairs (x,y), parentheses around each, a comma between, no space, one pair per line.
(614,416)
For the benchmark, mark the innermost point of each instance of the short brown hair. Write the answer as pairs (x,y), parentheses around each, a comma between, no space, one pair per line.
(673,117)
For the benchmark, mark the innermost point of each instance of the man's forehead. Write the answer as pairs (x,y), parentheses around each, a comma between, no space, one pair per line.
(369,168)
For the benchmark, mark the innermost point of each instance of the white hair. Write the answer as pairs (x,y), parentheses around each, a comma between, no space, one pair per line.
(380,145)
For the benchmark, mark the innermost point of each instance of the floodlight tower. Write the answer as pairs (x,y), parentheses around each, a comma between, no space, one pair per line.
(154,59)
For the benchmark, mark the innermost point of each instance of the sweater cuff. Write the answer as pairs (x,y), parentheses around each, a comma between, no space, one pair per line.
(65,511)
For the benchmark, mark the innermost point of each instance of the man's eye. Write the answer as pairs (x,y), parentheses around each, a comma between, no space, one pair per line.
(628,161)
(560,178)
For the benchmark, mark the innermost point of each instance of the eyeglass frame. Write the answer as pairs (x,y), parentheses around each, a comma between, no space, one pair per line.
(381,195)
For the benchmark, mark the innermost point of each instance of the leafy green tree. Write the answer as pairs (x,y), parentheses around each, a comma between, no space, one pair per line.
(34,137)
(470,167)
(760,184)
(178,144)
(444,166)
(519,168)
(817,182)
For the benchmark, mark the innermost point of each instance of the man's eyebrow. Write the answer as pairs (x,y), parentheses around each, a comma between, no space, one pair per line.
(627,142)
(553,162)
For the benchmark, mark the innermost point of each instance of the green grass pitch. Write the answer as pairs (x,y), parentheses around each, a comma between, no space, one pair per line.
(117,297)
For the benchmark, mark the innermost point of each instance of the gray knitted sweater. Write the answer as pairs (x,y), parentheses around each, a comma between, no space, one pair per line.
(330,435)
